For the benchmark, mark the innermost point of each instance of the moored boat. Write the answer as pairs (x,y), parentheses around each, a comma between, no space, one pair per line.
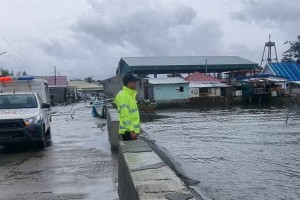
(98,108)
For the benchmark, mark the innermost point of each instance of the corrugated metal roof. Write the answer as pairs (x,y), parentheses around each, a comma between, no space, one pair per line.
(207,85)
(175,80)
(289,70)
(199,77)
(186,60)
(85,85)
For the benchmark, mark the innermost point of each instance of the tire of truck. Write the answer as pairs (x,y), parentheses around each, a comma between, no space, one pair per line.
(48,134)
(42,143)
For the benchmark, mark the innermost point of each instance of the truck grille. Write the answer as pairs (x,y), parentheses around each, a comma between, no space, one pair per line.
(12,124)
(11,134)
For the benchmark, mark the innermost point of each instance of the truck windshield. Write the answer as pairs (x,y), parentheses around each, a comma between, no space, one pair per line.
(14,101)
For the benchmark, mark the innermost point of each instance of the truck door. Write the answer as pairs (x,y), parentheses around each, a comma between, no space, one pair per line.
(46,114)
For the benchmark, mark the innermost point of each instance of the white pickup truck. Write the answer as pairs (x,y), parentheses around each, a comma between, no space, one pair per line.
(25,115)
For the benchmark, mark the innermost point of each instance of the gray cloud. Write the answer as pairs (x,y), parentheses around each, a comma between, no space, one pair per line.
(240,15)
(94,34)
(266,11)
(112,29)
(280,18)
(152,29)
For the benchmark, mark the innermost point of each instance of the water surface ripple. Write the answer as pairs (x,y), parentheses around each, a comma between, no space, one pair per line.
(234,153)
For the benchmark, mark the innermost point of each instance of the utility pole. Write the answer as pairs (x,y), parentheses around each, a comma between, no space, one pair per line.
(206,66)
(54,75)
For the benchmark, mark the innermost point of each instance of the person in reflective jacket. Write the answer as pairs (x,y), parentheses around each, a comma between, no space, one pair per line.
(129,116)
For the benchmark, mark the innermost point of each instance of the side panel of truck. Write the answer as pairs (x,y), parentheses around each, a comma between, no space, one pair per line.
(39,86)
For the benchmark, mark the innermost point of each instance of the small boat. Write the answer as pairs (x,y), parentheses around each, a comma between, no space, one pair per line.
(146,106)
(98,108)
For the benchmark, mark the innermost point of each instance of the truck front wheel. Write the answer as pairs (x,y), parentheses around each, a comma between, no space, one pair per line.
(42,143)
(48,134)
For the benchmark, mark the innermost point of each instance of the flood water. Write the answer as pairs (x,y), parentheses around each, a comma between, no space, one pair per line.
(235,153)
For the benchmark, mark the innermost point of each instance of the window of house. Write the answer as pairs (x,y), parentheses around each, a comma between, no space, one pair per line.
(203,91)
(180,89)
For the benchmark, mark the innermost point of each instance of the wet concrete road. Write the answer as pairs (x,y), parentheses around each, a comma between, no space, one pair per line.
(77,164)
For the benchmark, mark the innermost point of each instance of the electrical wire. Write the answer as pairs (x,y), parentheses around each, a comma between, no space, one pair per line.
(6,40)
(16,51)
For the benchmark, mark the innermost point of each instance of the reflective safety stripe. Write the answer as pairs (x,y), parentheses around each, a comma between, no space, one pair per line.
(133,110)
(127,122)
(135,126)
(124,106)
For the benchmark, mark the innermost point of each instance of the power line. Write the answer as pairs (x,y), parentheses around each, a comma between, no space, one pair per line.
(58,72)
(6,40)
(17,52)
(80,70)
(3,53)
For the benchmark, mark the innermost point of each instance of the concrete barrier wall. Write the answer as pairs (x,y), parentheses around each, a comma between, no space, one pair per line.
(113,127)
(144,176)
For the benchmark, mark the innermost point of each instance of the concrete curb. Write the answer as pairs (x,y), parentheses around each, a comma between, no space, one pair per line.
(144,176)
(113,128)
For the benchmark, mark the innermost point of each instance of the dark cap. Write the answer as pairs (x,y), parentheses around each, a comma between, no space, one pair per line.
(129,78)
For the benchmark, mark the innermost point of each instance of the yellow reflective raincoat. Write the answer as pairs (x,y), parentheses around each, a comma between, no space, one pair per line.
(129,115)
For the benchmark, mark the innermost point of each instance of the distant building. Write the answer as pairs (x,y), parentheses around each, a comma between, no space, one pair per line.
(87,89)
(288,70)
(58,86)
(204,85)
(113,85)
(233,76)
(166,90)
(183,64)
(56,81)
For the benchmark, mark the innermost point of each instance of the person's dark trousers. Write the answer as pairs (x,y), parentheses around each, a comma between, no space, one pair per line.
(126,136)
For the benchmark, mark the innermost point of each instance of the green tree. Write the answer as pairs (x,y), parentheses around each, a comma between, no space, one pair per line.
(89,79)
(293,53)
(4,72)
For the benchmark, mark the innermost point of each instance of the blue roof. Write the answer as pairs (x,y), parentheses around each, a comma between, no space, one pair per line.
(289,70)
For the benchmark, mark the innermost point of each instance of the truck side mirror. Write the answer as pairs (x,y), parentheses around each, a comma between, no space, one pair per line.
(45,105)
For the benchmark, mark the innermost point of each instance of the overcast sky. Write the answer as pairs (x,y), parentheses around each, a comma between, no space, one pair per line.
(88,37)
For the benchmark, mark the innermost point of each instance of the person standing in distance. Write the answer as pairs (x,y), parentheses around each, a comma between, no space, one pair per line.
(129,116)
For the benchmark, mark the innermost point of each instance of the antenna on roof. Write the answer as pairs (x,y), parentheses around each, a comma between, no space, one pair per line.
(269,45)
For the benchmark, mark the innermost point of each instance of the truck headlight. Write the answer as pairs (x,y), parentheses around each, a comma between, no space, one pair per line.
(33,120)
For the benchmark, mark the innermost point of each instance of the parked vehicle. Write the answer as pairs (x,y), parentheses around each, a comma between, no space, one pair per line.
(24,111)
(99,108)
